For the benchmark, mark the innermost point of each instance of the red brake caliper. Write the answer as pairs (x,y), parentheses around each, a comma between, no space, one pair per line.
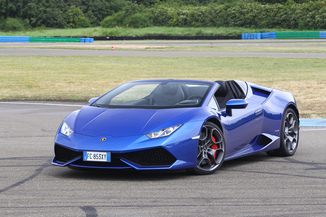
(214,146)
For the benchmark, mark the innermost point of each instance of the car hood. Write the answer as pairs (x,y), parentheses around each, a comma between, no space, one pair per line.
(94,121)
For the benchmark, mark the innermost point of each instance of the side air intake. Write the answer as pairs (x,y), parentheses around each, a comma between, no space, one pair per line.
(264,140)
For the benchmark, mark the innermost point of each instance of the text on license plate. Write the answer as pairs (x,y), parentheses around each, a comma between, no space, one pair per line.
(97,156)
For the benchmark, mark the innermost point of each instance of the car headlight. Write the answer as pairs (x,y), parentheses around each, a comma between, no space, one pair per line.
(65,129)
(164,132)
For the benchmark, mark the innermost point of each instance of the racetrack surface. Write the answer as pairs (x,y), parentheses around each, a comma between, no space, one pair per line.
(32,49)
(71,52)
(252,186)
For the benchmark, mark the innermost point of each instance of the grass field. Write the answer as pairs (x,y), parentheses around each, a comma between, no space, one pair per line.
(80,78)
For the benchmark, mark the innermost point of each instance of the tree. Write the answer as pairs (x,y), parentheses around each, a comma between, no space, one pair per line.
(74,16)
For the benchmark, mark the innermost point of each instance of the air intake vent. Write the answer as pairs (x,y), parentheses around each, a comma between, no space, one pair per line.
(260,92)
(64,155)
(151,157)
(264,140)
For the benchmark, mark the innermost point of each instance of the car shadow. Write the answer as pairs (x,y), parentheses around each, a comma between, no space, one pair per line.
(117,175)
(233,164)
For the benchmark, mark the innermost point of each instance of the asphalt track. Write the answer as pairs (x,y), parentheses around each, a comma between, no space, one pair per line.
(252,186)
(24,49)
(67,52)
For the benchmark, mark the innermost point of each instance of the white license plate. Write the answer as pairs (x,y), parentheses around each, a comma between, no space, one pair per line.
(97,156)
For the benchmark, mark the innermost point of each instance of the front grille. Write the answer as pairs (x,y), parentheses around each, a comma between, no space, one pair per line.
(151,157)
(64,155)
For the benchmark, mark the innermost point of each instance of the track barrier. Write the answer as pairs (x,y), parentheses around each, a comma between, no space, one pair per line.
(268,35)
(297,35)
(86,40)
(53,39)
(322,34)
(285,35)
(44,39)
(251,35)
(14,39)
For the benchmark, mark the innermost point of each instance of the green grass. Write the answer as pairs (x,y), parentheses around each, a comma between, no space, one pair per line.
(80,78)
(150,31)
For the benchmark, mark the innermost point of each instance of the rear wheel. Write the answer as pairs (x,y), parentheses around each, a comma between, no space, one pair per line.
(211,149)
(289,135)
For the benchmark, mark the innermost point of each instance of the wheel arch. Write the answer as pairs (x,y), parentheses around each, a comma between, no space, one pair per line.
(217,122)
(295,109)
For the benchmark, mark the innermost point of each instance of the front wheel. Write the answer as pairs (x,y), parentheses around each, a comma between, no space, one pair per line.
(289,139)
(211,149)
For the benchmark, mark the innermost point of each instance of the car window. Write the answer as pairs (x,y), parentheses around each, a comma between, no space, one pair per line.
(133,94)
(212,104)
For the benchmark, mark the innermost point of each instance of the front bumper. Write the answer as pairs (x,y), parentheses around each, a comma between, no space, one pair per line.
(133,152)
(150,158)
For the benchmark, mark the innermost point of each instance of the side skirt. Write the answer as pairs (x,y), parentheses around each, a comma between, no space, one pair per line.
(264,142)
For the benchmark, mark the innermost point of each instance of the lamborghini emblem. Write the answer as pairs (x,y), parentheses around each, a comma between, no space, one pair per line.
(103,139)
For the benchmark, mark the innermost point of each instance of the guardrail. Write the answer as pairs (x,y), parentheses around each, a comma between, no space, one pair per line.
(44,39)
(285,35)
(14,39)
(322,34)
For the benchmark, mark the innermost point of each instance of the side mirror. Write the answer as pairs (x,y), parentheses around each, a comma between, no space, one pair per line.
(92,100)
(235,104)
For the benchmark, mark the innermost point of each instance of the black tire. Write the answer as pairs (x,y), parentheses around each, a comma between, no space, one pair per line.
(289,138)
(211,150)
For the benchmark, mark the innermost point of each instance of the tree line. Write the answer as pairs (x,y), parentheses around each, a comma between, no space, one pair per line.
(289,14)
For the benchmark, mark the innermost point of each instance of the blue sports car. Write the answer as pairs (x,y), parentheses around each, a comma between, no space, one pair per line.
(178,124)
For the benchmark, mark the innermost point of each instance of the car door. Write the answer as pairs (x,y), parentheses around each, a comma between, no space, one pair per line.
(242,127)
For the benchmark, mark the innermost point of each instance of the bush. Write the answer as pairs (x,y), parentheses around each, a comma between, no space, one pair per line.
(161,16)
(198,17)
(13,24)
(75,16)
(114,20)
(138,21)
(321,19)
(83,23)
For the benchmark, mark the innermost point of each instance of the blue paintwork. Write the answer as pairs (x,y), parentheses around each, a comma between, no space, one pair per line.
(260,113)
(235,104)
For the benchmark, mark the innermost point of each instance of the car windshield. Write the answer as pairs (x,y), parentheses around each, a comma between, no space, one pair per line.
(155,94)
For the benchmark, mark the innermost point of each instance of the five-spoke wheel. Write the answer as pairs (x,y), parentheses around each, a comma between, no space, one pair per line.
(211,149)
(289,134)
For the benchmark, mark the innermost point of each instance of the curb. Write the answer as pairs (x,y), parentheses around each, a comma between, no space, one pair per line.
(310,122)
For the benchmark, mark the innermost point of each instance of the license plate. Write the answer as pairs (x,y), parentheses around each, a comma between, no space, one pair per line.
(97,156)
